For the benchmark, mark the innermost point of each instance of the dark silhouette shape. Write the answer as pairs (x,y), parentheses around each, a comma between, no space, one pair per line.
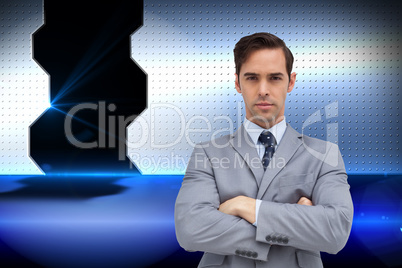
(63,187)
(86,51)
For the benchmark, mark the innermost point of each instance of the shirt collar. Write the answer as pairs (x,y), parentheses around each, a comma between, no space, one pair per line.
(254,130)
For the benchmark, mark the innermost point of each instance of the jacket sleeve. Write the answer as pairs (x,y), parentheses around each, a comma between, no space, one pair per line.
(325,226)
(200,226)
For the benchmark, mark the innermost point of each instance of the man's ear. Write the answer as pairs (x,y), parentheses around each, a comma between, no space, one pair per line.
(292,81)
(237,84)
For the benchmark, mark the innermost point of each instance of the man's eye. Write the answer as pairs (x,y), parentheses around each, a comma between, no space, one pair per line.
(251,78)
(275,78)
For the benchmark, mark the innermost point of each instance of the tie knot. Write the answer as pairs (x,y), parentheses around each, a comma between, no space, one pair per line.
(267,139)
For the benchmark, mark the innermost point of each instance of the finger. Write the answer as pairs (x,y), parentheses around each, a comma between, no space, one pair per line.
(305,201)
(301,200)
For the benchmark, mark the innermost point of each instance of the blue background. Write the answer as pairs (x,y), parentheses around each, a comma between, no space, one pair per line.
(125,219)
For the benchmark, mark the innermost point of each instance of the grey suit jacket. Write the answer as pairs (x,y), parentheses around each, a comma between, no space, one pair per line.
(287,234)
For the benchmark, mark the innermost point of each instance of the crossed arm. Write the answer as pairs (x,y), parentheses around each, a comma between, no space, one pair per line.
(244,207)
(203,223)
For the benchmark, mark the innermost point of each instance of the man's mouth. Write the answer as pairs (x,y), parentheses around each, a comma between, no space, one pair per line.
(264,105)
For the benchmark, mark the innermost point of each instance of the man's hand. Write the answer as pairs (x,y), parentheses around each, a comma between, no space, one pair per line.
(244,207)
(240,206)
(304,201)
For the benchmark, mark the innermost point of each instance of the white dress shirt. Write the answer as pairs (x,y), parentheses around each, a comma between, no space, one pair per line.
(254,131)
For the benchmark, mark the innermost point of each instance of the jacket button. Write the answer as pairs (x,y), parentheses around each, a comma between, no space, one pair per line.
(285,240)
(268,238)
(237,252)
(254,255)
(273,239)
(279,240)
(248,254)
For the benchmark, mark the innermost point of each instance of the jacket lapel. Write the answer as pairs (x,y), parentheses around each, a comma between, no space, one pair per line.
(243,144)
(291,141)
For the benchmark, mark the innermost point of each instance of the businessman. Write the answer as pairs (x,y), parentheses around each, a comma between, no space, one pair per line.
(265,196)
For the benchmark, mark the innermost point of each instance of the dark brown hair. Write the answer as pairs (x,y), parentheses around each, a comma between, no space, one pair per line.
(251,43)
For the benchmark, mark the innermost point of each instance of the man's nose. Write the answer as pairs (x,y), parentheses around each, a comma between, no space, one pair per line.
(264,89)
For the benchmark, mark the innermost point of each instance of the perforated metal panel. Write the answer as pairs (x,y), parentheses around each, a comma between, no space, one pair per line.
(347,60)
(347,57)
(24,91)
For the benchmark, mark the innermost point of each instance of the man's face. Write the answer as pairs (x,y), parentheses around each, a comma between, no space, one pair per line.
(264,83)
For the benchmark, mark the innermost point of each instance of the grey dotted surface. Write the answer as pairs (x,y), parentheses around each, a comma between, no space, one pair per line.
(24,93)
(347,60)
